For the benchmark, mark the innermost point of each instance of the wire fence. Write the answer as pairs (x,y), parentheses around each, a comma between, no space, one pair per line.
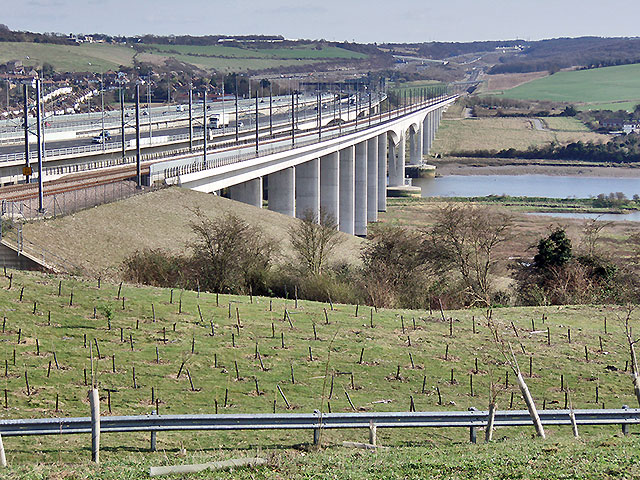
(65,203)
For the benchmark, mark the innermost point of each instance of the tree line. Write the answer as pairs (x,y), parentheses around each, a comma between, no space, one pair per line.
(456,262)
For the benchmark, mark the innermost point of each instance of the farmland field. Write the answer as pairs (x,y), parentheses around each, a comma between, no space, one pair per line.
(96,57)
(595,88)
(379,361)
(308,52)
(456,134)
(99,57)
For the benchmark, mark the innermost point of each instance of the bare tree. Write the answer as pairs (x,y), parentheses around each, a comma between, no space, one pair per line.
(230,254)
(591,235)
(632,351)
(468,237)
(314,239)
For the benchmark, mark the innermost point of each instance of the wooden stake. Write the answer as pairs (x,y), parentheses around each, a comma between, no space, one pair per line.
(94,400)
(284,397)
(350,402)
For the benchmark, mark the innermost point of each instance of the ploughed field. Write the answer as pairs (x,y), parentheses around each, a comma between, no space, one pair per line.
(202,353)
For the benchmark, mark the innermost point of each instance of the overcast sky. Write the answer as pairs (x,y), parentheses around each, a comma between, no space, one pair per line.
(338,20)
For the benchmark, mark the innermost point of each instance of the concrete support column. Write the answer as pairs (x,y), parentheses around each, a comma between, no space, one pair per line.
(308,188)
(347,190)
(248,192)
(425,135)
(396,168)
(415,150)
(281,194)
(329,182)
(432,129)
(372,180)
(360,201)
(419,145)
(382,172)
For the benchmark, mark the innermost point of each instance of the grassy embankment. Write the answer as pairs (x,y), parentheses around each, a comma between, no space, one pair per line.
(614,88)
(428,354)
(157,220)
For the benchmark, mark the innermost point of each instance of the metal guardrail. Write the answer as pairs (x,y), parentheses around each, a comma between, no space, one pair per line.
(312,421)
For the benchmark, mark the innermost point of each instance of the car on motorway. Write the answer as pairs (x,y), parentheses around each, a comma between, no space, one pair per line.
(100,138)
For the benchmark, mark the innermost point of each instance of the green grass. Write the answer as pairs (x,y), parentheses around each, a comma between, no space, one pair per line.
(283,53)
(565,124)
(628,106)
(386,347)
(593,88)
(99,57)
(532,204)
(509,457)
(95,57)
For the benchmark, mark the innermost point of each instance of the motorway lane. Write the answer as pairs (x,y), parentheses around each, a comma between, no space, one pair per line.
(112,117)
(246,117)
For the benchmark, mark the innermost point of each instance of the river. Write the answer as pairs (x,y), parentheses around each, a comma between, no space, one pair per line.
(549,186)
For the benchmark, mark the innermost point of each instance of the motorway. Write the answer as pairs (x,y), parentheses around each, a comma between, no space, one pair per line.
(246,114)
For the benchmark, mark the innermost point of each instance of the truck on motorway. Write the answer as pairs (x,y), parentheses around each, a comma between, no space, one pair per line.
(219,120)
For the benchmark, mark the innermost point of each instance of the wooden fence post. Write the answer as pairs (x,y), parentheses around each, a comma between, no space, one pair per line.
(153,435)
(373,433)
(94,400)
(625,426)
(472,430)
(3,458)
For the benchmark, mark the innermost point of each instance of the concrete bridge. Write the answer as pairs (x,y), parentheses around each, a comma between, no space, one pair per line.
(344,172)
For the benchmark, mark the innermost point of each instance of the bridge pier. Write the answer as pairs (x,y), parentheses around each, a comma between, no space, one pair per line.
(415,147)
(346,190)
(329,185)
(382,173)
(372,180)
(307,180)
(396,162)
(281,193)
(360,201)
(248,192)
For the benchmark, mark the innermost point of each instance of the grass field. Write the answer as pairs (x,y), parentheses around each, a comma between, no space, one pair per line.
(564,124)
(457,134)
(306,52)
(99,57)
(600,456)
(595,88)
(69,58)
(426,353)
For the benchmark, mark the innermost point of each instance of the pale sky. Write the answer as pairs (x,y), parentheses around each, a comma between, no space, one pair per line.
(364,21)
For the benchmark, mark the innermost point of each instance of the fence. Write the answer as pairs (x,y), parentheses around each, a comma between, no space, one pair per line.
(316,421)
(311,138)
(65,203)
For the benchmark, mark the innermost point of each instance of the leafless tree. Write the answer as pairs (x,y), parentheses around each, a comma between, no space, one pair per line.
(591,235)
(635,373)
(230,254)
(314,239)
(468,235)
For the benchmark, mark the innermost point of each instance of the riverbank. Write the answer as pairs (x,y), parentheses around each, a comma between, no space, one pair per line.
(548,205)
(498,166)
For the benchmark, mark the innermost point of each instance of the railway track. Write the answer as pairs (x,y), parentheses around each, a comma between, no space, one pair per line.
(16,193)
